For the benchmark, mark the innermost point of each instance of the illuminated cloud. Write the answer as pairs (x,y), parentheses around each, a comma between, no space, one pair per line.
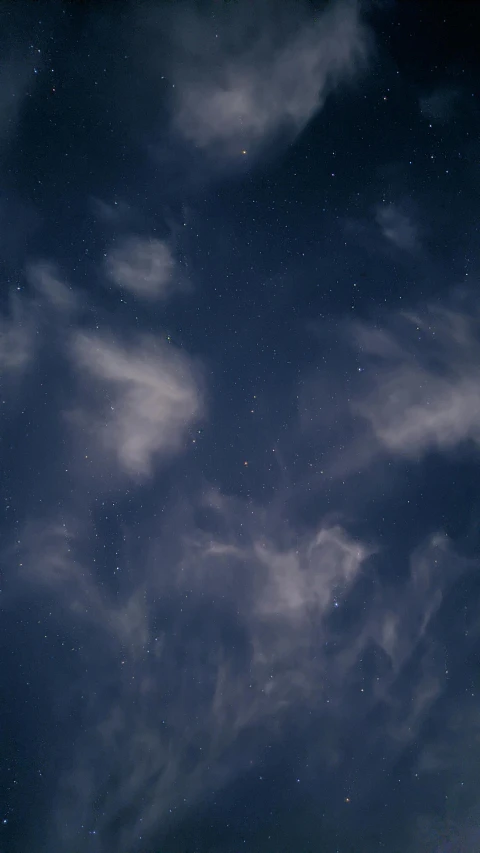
(298,582)
(196,626)
(242,630)
(234,92)
(143,267)
(425,386)
(148,397)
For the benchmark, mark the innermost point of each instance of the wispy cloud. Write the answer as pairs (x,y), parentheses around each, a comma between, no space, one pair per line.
(249,618)
(144,267)
(397,227)
(46,280)
(266,605)
(111,213)
(150,397)
(237,92)
(425,389)
(17,336)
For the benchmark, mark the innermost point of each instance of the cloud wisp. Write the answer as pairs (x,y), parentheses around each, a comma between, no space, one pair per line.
(144,268)
(216,643)
(208,642)
(150,397)
(256,89)
(397,227)
(424,391)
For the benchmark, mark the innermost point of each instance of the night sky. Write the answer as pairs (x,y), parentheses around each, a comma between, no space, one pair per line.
(240,427)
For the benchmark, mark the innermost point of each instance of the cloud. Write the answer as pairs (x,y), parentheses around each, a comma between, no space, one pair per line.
(60,568)
(205,639)
(424,385)
(44,277)
(397,227)
(297,582)
(146,268)
(148,397)
(450,763)
(17,337)
(114,213)
(246,80)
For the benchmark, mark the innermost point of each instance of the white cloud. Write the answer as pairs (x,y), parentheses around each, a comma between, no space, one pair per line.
(425,384)
(241,90)
(144,267)
(416,410)
(149,396)
(300,580)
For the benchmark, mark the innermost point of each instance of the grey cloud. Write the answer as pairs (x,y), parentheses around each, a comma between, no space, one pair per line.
(17,337)
(44,277)
(50,554)
(113,213)
(150,397)
(397,227)
(240,92)
(425,390)
(451,763)
(300,580)
(145,267)
(263,644)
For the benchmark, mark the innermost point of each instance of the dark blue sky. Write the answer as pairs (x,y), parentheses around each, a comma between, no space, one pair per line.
(240,427)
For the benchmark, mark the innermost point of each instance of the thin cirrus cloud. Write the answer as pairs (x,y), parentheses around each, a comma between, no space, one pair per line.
(238,92)
(414,388)
(21,324)
(45,279)
(397,227)
(265,600)
(144,267)
(114,213)
(266,645)
(150,396)
(17,336)
(424,390)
